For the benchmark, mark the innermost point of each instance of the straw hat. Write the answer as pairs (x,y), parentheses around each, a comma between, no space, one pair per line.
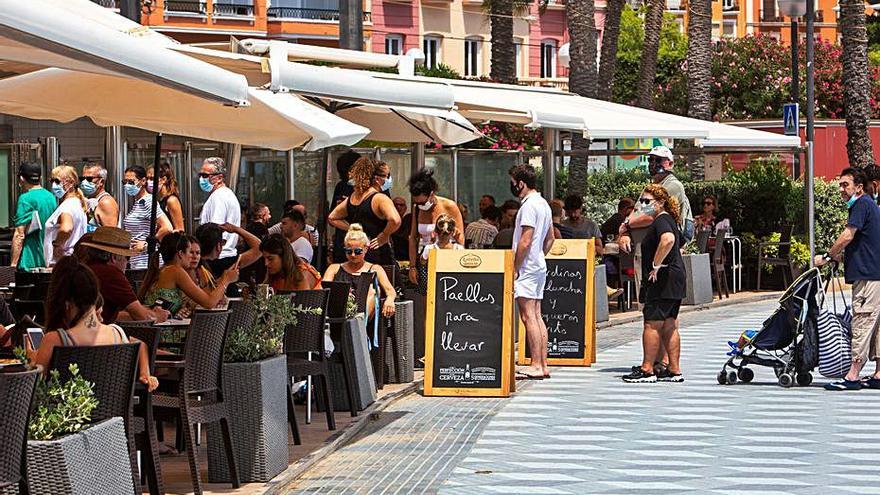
(111,239)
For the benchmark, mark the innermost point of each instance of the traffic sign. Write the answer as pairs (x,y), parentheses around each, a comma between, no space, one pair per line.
(790,119)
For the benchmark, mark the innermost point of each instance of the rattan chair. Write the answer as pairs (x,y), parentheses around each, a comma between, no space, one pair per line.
(336,307)
(781,258)
(718,271)
(7,275)
(199,397)
(304,338)
(135,278)
(16,393)
(112,369)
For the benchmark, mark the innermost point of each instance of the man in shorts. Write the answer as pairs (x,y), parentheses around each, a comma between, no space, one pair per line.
(859,245)
(532,240)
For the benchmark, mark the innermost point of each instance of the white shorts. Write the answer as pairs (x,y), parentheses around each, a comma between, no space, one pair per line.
(530,284)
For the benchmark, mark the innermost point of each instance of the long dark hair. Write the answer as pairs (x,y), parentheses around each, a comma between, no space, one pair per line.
(276,244)
(72,283)
(167,173)
(169,246)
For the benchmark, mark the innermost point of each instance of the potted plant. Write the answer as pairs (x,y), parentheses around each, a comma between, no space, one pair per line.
(67,454)
(698,271)
(255,391)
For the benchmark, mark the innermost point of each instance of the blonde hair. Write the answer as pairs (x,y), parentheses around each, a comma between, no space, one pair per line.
(445,225)
(356,234)
(68,172)
(670,203)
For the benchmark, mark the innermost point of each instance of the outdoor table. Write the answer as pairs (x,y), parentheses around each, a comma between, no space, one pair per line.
(611,249)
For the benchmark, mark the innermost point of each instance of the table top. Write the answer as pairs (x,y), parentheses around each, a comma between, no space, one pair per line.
(174,322)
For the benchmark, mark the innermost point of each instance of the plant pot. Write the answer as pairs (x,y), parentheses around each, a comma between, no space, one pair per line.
(355,351)
(399,359)
(256,395)
(94,460)
(600,283)
(699,279)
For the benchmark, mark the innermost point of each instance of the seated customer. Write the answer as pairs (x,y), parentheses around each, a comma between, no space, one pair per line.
(557,208)
(285,271)
(172,282)
(356,246)
(72,319)
(624,208)
(504,239)
(481,234)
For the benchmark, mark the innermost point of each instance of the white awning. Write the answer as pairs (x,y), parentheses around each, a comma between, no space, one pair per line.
(48,33)
(412,124)
(277,121)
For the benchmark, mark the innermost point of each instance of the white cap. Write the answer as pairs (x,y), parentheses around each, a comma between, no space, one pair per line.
(662,152)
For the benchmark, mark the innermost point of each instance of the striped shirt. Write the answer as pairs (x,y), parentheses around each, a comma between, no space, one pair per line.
(137,223)
(480,234)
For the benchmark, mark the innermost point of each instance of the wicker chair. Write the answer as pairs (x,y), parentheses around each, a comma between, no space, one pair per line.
(718,271)
(7,275)
(199,398)
(112,369)
(16,392)
(362,286)
(702,241)
(135,278)
(308,337)
(336,306)
(782,257)
(145,436)
(28,301)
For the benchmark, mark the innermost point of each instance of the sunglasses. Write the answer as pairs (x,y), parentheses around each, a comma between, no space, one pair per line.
(708,203)
(56,180)
(90,178)
(354,251)
(645,201)
(129,181)
(203,175)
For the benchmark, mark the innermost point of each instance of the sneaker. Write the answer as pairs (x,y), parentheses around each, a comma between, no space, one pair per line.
(871,382)
(844,385)
(640,376)
(665,375)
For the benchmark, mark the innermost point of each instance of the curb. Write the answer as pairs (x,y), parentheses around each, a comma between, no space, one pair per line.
(293,472)
(764,296)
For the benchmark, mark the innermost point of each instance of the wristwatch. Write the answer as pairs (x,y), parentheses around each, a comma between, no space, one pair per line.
(626,225)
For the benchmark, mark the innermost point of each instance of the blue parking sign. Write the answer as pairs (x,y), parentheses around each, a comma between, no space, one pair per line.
(790,119)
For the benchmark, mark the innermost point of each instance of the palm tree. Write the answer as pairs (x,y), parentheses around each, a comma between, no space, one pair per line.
(608,61)
(648,67)
(699,71)
(856,85)
(582,78)
(503,65)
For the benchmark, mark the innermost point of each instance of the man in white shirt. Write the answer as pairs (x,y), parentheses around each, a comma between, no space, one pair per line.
(292,228)
(532,240)
(222,206)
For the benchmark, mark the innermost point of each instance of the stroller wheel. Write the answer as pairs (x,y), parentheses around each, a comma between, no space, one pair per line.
(731,377)
(804,379)
(786,380)
(778,372)
(722,378)
(746,375)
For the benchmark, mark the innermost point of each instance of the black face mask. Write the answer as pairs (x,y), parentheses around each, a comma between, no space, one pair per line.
(655,167)
(515,189)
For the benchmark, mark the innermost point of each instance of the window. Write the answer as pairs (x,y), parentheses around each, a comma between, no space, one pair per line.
(472,57)
(728,29)
(728,4)
(518,44)
(431,47)
(548,58)
(393,44)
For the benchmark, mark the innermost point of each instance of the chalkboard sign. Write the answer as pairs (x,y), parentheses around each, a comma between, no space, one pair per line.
(568,307)
(468,327)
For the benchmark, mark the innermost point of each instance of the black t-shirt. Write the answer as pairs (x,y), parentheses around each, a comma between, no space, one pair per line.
(612,225)
(565,231)
(342,190)
(671,283)
(220,265)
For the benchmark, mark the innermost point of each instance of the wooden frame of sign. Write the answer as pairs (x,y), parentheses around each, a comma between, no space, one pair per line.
(563,282)
(469,348)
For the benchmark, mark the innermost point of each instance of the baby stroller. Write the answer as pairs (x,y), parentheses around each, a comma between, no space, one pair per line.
(786,342)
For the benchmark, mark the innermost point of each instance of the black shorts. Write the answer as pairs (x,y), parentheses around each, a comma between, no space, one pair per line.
(661,309)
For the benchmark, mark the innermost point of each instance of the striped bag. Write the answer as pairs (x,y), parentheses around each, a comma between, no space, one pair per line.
(835,335)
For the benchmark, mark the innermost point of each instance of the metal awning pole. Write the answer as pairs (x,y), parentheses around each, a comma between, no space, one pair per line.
(151,239)
(549,162)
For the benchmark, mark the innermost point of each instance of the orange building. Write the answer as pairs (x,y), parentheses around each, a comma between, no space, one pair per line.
(313,22)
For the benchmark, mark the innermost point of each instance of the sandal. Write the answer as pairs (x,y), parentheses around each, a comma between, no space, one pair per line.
(525,376)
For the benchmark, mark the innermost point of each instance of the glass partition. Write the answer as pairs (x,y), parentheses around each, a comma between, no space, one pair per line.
(482,173)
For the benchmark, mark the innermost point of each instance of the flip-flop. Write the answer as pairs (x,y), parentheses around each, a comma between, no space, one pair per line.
(525,376)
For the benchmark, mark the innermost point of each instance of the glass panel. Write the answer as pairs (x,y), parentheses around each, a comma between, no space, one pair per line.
(484,173)
(262,178)
(399,162)
(307,181)
(441,162)
(4,191)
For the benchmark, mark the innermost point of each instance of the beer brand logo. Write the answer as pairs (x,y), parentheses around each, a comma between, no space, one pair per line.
(558,249)
(470,261)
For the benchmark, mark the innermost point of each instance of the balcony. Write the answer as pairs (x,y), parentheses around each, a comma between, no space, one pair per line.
(185,8)
(325,15)
(232,10)
(544,82)
(110,4)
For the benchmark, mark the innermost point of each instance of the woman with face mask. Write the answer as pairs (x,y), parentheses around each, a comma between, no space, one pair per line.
(428,207)
(137,220)
(69,221)
(370,208)
(169,194)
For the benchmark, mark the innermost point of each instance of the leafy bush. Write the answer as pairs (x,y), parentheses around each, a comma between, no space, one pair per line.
(266,338)
(61,408)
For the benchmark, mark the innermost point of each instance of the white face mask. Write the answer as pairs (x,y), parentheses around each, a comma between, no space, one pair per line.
(427,206)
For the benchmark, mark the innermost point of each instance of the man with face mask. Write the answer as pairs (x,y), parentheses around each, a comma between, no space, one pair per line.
(34,207)
(873,173)
(858,246)
(222,206)
(103,208)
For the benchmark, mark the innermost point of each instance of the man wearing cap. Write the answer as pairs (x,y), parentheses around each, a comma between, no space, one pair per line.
(35,206)
(106,252)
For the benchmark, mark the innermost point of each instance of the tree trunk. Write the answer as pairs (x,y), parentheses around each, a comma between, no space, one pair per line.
(856,85)
(582,79)
(608,61)
(699,73)
(648,68)
(503,68)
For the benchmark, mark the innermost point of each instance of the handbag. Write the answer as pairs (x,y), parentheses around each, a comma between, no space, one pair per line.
(835,333)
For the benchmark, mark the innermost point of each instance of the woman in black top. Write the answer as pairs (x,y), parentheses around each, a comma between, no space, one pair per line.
(663,286)
(369,208)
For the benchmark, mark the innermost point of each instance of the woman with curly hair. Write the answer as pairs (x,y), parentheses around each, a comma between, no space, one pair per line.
(370,208)
(663,287)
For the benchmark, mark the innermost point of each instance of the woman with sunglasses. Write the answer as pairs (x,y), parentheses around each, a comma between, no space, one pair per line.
(69,221)
(663,287)
(284,269)
(357,245)
(707,220)
(371,209)
(169,194)
(172,285)
(428,209)
(137,220)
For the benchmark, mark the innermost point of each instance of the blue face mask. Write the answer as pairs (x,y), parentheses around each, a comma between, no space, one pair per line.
(205,184)
(132,189)
(387,184)
(875,196)
(87,188)
(58,190)
(852,200)
(350,182)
